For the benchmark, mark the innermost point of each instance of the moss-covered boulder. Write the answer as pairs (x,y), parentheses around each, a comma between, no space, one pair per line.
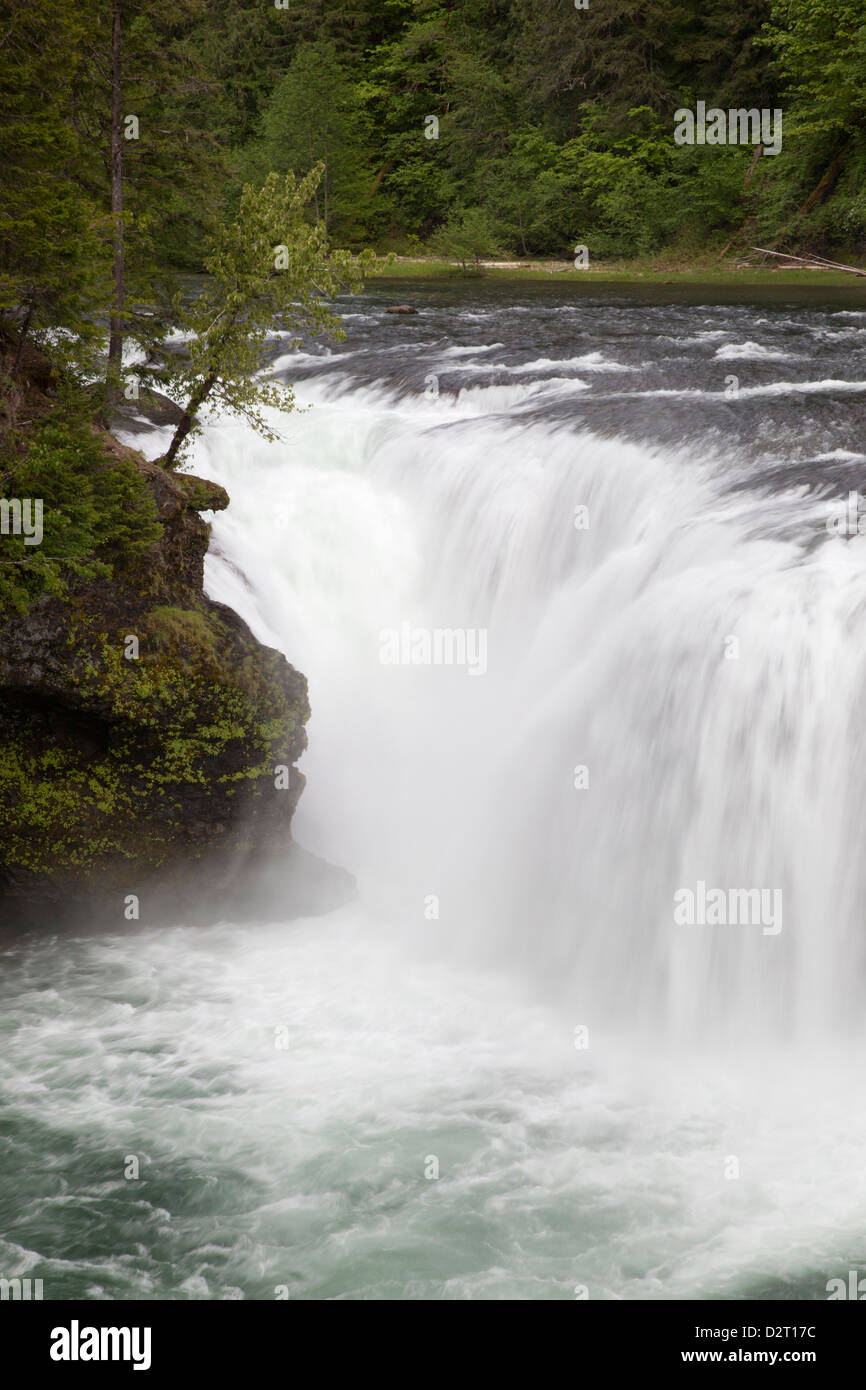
(144,731)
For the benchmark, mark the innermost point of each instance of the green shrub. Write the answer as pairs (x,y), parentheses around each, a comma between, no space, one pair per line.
(99,516)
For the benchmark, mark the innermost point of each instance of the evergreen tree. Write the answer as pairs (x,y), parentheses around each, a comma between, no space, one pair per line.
(52,261)
(314,118)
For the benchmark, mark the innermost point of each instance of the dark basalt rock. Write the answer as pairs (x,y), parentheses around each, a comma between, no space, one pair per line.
(148,741)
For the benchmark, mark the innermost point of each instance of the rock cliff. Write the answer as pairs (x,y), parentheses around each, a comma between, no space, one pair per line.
(144,732)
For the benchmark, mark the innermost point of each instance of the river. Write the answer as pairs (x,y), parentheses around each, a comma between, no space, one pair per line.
(504,1070)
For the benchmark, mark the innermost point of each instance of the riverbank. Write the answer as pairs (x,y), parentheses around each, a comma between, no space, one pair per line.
(650,270)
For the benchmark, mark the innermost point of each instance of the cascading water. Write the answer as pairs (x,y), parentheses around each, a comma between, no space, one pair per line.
(672,693)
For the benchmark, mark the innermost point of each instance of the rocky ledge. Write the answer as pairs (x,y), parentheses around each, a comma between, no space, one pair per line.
(144,732)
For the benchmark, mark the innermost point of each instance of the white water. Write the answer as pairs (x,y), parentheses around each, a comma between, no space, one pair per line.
(411,1037)
(606,648)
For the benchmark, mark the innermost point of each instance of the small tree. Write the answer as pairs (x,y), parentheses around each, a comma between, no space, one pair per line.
(271,265)
(467,237)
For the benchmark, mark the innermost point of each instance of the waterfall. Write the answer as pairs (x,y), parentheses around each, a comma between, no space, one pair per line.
(586,670)
(674,697)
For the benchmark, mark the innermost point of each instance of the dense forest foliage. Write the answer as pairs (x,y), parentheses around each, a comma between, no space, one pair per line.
(513,126)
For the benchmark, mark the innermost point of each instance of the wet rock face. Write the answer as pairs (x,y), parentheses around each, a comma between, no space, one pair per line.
(148,741)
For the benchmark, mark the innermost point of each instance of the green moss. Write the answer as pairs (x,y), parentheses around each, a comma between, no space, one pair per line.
(175,718)
(128,754)
(183,629)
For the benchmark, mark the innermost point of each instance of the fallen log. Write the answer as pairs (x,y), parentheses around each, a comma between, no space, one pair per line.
(817,261)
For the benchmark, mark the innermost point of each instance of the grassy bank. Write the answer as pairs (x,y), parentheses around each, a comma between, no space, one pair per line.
(650,271)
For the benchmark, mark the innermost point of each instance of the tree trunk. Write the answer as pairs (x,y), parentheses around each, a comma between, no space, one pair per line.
(759,150)
(115,341)
(824,184)
(22,338)
(187,420)
(386,167)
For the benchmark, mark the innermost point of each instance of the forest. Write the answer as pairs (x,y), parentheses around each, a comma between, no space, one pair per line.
(506,126)
(146,141)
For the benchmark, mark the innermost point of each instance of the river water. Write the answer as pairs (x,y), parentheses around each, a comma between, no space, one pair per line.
(504,1069)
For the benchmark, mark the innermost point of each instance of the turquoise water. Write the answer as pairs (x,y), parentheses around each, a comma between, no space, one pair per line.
(304,1167)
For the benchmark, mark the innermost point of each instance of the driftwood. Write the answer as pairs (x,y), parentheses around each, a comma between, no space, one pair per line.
(818,262)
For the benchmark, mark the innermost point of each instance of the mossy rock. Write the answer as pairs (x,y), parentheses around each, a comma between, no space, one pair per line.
(143,728)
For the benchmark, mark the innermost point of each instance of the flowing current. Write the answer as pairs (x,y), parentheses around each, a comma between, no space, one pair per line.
(505,1069)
